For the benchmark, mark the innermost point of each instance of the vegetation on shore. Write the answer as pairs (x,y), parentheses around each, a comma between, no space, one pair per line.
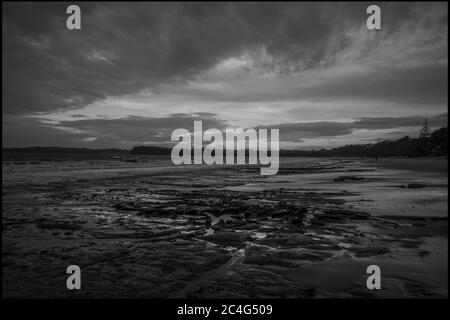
(426,144)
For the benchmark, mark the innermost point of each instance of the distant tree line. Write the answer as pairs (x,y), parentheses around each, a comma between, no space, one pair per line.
(427,144)
(150,150)
(64,150)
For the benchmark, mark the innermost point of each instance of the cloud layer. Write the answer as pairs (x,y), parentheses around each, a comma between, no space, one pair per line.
(137,71)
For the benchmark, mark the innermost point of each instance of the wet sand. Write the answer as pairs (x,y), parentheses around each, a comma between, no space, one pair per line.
(158,231)
(438,164)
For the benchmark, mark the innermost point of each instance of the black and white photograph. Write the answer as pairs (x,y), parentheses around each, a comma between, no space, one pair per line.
(224,150)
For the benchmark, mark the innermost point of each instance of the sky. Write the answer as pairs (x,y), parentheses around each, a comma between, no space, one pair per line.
(137,71)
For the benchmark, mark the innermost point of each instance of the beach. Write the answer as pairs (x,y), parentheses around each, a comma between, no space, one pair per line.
(154,230)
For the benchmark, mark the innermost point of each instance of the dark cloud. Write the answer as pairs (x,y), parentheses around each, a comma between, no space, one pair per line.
(23,132)
(124,132)
(298,131)
(417,85)
(124,48)
(133,130)
(325,129)
(391,122)
(414,85)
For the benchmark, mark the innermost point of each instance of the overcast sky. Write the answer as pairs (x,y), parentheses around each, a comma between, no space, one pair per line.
(137,71)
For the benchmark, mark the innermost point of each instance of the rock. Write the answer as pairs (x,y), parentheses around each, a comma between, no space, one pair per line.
(369,251)
(173,216)
(416,185)
(125,207)
(285,258)
(297,221)
(227,238)
(343,178)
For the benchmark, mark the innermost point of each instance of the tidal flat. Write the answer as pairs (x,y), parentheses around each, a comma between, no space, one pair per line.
(149,229)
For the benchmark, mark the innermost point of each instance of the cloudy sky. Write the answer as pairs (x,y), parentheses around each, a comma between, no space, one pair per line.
(137,71)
